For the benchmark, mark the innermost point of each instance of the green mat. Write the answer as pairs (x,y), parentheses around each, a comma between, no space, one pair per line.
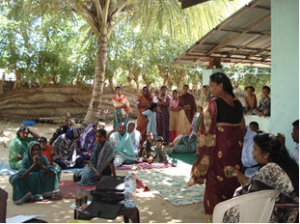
(188,158)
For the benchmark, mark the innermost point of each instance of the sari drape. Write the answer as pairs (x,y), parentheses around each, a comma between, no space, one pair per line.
(220,146)
(163,121)
(65,146)
(135,137)
(141,123)
(18,146)
(188,99)
(123,147)
(38,184)
(101,158)
(87,141)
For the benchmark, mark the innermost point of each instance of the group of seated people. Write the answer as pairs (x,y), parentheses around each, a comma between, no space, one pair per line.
(39,164)
(251,107)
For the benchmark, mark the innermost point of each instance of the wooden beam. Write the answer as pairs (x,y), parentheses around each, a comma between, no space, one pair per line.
(227,59)
(265,58)
(181,56)
(257,52)
(245,31)
(263,8)
(248,43)
(227,23)
(235,31)
(230,46)
(222,57)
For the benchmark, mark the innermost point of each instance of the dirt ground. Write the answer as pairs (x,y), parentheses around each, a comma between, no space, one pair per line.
(153,208)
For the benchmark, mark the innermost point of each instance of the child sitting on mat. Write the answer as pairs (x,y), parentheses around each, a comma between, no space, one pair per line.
(46,150)
(159,154)
(147,147)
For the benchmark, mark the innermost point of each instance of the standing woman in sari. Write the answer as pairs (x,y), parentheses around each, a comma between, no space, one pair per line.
(121,108)
(220,144)
(163,115)
(18,146)
(36,178)
(188,108)
(204,97)
(174,115)
(143,103)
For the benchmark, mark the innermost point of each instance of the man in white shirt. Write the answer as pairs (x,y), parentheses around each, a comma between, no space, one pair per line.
(295,136)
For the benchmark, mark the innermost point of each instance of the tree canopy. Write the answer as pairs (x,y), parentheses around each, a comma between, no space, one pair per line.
(90,42)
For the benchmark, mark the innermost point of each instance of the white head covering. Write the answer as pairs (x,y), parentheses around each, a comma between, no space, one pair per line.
(135,136)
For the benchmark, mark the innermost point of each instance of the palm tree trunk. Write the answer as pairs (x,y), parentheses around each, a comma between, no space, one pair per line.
(95,103)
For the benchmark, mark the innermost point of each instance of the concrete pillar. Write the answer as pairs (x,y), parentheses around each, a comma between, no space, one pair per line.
(209,72)
(285,67)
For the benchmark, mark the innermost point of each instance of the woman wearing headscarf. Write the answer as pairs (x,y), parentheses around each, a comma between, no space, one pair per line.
(87,142)
(63,129)
(163,115)
(135,136)
(121,108)
(143,103)
(65,147)
(188,108)
(204,97)
(36,178)
(101,163)
(123,146)
(221,143)
(18,146)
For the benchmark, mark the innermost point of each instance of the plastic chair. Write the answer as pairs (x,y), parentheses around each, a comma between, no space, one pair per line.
(254,207)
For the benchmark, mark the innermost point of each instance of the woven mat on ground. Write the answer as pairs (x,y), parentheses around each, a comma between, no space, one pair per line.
(144,165)
(68,189)
(6,170)
(171,184)
(188,158)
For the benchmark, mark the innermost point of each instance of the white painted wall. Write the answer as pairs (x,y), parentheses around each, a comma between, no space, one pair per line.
(285,67)
(263,122)
(209,72)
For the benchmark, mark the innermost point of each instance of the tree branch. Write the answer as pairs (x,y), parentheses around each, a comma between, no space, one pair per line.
(105,14)
(87,17)
(99,10)
(118,22)
(116,13)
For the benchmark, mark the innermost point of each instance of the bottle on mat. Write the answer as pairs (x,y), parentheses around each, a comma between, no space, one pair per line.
(130,185)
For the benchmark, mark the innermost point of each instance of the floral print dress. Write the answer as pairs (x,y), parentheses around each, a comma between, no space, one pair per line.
(271,176)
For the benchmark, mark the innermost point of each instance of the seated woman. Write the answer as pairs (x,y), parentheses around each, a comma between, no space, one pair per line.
(87,142)
(123,145)
(36,178)
(147,147)
(65,150)
(18,146)
(188,144)
(135,136)
(62,130)
(278,172)
(101,163)
(159,154)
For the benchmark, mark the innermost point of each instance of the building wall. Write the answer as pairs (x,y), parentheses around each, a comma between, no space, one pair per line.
(285,67)
(209,72)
